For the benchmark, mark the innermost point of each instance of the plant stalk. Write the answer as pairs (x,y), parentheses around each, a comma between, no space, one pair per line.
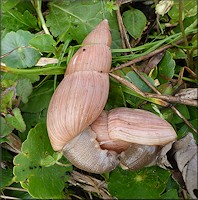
(37,4)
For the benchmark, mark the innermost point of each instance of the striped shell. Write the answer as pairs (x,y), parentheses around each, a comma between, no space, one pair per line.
(82,94)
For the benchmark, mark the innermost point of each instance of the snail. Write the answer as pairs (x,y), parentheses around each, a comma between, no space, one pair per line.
(94,140)
(134,136)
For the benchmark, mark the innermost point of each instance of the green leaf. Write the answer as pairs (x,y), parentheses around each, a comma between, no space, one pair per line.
(170,194)
(7,5)
(31,119)
(45,43)
(6,177)
(135,22)
(189,9)
(16,120)
(6,99)
(136,80)
(78,18)
(13,20)
(40,98)
(172,117)
(147,183)
(24,89)
(41,181)
(48,161)
(116,97)
(5,128)
(184,130)
(166,68)
(15,77)
(22,56)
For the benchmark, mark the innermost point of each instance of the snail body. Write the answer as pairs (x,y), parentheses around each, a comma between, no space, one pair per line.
(85,153)
(94,140)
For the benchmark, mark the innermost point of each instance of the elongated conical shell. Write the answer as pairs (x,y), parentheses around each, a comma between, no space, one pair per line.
(139,126)
(82,94)
(76,103)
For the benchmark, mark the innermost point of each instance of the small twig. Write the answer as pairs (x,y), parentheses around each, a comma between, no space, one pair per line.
(174,99)
(128,84)
(191,72)
(7,197)
(124,38)
(145,80)
(184,119)
(119,18)
(138,92)
(16,189)
(141,58)
(183,32)
(7,54)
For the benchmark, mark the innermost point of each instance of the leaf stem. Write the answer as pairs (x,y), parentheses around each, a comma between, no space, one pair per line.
(37,71)
(37,5)
(186,79)
(183,34)
(63,165)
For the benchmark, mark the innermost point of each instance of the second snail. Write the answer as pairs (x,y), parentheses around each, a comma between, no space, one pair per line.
(91,139)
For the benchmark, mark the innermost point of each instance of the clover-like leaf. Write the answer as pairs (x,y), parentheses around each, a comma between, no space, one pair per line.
(13,20)
(78,18)
(20,54)
(146,183)
(135,22)
(16,120)
(45,43)
(31,170)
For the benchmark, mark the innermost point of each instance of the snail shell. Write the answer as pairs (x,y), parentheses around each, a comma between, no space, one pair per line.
(82,94)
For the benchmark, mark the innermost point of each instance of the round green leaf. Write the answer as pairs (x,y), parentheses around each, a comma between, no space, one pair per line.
(147,183)
(78,18)
(22,56)
(135,22)
(30,169)
(45,43)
